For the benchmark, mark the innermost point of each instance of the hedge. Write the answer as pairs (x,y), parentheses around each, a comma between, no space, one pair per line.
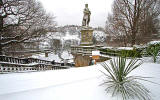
(125,53)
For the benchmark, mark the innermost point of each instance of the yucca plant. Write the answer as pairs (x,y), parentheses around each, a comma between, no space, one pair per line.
(154,51)
(119,83)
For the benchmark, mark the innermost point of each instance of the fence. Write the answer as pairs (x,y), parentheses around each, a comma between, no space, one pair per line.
(12,64)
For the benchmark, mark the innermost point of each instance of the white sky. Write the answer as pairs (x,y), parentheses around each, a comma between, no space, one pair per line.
(70,12)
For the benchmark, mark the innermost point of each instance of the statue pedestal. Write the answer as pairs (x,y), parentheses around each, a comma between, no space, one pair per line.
(86,36)
(82,54)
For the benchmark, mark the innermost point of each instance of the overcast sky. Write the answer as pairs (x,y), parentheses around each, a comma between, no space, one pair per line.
(70,12)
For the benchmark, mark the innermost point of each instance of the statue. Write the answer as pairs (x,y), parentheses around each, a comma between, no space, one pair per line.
(86,17)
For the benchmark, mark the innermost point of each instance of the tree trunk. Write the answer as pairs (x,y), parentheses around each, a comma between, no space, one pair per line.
(1,31)
(1,50)
(1,28)
(133,37)
(133,41)
(1,25)
(1,18)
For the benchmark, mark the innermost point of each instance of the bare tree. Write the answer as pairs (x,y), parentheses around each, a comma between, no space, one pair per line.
(22,21)
(56,45)
(133,20)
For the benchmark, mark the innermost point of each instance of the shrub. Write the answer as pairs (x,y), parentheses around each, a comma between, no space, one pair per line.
(153,50)
(119,82)
(125,53)
(130,53)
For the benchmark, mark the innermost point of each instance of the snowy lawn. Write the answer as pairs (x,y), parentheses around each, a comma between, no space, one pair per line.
(52,56)
(70,84)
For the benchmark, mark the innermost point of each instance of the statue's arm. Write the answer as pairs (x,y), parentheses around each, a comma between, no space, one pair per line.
(85,11)
(89,13)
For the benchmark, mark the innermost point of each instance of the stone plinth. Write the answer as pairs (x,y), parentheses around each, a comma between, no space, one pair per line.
(86,36)
(82,55)
(84,50)
(82,60)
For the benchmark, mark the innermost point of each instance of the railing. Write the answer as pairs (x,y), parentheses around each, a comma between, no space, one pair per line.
(11,59)
(11,67)
(22,60)
(31,60)
(11,64)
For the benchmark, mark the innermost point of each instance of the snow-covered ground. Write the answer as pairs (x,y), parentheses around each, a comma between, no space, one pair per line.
(52,56)
(150,59)
(72,35)
(119,48)
(70,84)
(154,42)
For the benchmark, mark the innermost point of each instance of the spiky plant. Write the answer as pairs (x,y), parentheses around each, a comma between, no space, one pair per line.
(154,51)
(119,83)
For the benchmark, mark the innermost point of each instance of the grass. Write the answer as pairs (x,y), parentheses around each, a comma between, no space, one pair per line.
(120,83)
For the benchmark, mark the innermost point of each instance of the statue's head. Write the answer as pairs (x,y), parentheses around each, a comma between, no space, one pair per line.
(86,5)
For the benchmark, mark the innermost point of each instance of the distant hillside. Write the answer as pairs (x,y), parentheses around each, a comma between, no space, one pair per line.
(71,35)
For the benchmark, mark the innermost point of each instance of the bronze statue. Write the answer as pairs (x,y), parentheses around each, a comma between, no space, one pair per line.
(86,17)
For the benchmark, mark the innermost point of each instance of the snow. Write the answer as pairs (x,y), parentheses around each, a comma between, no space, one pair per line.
(67,55)
(107,47)
(69,33)
(150,60)
(99,35)
(119,48)
(63,37)
(30,64)
(69,84)
(71,37)
(95,52)
(154,42)
(52,56)
(140,46)
(125,48)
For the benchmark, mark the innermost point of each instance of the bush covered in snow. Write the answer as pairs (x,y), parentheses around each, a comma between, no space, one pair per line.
(127,52)
(154,43)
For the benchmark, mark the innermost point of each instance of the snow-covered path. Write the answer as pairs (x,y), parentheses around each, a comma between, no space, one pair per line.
(17,82)
(78,90)
(70,84)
